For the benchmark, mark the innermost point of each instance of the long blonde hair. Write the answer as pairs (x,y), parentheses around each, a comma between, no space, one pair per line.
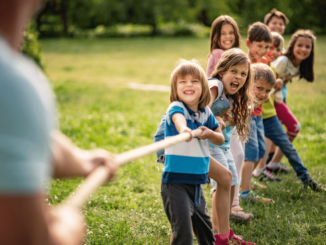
(242,100)
(190,67)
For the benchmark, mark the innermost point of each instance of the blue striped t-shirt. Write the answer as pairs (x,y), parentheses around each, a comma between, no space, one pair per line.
(187,162)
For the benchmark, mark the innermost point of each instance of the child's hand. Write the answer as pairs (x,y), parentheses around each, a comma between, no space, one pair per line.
(278,84)
(185,129)
(220,122)
(229,118)
(206,133)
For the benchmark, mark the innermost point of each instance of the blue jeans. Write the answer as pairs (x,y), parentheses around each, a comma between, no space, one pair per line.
(255,147)
(275,132)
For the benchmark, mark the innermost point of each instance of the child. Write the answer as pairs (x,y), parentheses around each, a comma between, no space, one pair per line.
(187,163)
(255,147)
(276,21)
(225,35)
(258,41)
(229,88)
(296,61)
(273,53)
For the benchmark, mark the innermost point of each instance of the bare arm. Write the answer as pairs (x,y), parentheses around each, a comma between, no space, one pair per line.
(69,160)
(214,93)
(26,220)
(181,124)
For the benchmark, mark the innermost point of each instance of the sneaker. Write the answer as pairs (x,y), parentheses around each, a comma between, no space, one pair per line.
(232,239)
(256,186)
(267,176)
(252,197)
(314,185)
(239,216)
(281,169)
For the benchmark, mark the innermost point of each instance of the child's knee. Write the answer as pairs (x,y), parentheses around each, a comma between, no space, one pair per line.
(227,179)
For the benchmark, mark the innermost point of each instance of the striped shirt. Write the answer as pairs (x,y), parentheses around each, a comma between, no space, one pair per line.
(187,162)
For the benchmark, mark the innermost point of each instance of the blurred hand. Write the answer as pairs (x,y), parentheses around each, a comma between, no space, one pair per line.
(66,226)
(278,84)
(94,158)
(220,122)
(205,133)
(185,129)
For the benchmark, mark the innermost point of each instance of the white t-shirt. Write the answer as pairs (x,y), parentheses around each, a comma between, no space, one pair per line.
(26,121)
(284,67)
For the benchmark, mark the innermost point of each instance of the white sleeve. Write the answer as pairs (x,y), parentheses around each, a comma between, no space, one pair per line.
(280,65)
(214,82)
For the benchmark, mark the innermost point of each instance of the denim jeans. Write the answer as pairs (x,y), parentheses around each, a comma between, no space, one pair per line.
(255,147)
(275,132)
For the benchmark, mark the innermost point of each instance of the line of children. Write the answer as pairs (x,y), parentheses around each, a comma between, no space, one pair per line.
(187,165)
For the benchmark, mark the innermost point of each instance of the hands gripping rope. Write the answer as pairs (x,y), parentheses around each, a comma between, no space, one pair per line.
(101,174)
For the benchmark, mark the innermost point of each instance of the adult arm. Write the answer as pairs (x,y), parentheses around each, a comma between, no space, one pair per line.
(69,160)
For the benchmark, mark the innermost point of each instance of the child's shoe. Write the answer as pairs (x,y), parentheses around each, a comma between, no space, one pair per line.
(313,185)
(232,239)
(239,216)
(257,187)
(280,169)
(252,197)
(266,176)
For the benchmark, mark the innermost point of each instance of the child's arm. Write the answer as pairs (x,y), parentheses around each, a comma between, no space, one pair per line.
(181,124)
(214,93)
(216,137)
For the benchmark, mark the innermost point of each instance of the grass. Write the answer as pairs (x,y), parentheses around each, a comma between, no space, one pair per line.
(98,110)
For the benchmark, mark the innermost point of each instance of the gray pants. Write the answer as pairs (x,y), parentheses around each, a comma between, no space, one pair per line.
(184,216)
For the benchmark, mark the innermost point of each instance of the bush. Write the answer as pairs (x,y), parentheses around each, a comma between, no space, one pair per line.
(180,28)
(31,46)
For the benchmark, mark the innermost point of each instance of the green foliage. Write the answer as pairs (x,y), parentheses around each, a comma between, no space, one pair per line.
(31,46)
(66,17)
(98,110)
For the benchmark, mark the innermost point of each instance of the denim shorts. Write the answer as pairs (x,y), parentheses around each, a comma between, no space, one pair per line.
(224,157)
(255,147)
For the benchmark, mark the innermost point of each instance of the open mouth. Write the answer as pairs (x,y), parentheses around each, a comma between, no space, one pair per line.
(234,85)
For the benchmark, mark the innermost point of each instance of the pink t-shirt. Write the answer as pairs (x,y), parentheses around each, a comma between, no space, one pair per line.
(212,61)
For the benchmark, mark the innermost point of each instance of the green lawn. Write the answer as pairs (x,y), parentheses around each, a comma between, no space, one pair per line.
(98,110)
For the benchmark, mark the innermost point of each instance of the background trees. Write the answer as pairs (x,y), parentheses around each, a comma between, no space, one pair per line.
(63,17)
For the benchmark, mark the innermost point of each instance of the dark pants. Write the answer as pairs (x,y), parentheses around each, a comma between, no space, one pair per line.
(184,216)
(275,132)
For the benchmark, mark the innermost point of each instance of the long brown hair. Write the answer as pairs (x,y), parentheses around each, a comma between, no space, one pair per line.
(306,66)
(215,38)
(190,67)
(242,100)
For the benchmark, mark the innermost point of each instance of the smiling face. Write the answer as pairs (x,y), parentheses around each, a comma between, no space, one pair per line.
(189,90)
(234,78)
(277,24)
(257,49)
(273,53)
(302,49)
(261,89)
(227,37)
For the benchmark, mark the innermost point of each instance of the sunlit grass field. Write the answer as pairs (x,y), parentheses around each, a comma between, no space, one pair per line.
(97,109)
